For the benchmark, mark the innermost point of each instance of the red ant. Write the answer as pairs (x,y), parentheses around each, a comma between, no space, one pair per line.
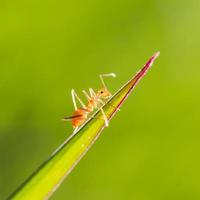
(95,101)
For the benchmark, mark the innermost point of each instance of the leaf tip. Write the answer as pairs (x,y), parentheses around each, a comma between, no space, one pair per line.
(152,59)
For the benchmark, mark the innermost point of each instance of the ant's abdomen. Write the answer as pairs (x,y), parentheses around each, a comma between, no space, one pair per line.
(80,116)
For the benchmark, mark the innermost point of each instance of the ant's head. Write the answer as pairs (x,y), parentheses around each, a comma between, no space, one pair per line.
(104,93)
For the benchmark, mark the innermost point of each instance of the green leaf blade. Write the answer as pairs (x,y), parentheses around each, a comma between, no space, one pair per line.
(48,177)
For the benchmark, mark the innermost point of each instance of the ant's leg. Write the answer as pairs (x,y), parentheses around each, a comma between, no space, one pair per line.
(106,75)
(104,117)
(101,102)
(92,93)
(86,94)
(94,96)
(74,97)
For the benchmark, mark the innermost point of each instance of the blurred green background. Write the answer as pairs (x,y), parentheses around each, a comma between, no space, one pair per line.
(151,149)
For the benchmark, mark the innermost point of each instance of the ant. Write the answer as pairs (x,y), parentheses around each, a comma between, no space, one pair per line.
(95,101)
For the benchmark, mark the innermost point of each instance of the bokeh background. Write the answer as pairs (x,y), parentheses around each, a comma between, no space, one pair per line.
(151,150)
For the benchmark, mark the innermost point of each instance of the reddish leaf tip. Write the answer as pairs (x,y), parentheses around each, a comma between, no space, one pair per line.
(146,67)
(152,59)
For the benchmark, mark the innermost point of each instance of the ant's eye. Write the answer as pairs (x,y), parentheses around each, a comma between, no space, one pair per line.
(101,92)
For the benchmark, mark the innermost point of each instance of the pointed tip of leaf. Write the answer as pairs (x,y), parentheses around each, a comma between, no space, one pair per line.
(151,60)
(146,67)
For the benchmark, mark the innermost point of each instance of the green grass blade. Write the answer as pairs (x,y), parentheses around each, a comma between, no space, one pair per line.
(48,177)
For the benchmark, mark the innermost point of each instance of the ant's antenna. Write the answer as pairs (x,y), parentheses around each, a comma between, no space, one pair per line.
(106,75)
